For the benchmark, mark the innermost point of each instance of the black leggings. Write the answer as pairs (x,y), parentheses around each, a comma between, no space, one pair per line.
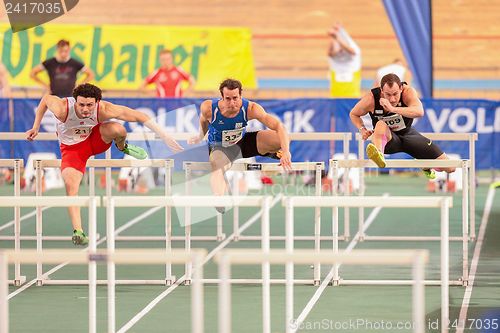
(410,141)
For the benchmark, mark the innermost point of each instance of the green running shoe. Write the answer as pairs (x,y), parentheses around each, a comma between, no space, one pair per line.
(79,238)
(135,151)
(429,173)
(375,155)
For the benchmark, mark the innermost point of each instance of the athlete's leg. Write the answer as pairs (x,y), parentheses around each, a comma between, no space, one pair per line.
(381,135)
(113,131)
(443,156)
(375,150)
(219,163)
(268,141)
(72,178)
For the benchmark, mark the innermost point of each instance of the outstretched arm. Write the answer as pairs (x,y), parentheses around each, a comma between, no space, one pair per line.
(255,111)
(49,102)
(110,110)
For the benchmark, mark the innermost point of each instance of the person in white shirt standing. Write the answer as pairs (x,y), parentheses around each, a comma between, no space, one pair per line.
(83,130)
(396,67)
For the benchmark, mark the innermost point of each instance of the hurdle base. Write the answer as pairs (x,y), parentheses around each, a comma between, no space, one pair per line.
(19,282)
(171,281)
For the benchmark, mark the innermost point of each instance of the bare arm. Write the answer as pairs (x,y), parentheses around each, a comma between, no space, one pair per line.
(205,116)
(110,110)
(34,75)
(89,74)
(362,108)
(343,44)
(415,109)
(49,102)
(255,111)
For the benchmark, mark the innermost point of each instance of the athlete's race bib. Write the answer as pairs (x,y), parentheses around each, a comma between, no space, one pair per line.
(81,132)
(395,122)
(230,137)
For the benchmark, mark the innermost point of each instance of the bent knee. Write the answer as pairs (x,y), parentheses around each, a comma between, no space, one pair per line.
(113,129)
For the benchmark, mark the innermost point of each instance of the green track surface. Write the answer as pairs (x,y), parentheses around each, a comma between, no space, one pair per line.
(345,308)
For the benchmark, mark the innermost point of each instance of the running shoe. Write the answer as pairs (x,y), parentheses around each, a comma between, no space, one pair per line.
(79,238)
(429,173)
(375,155)
(135,151)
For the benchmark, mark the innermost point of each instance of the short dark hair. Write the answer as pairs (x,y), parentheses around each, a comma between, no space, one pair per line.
(390,79)
(62,43)
(88,90)
(230,84)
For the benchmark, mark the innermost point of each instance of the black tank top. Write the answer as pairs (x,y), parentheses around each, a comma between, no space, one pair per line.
(379,111)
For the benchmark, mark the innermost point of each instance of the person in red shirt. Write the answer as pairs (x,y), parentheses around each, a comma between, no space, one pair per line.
(168,78)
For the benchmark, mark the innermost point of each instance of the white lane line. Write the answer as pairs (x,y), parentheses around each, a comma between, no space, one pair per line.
(475,260)
(307,309)
(24,217)
(155,301)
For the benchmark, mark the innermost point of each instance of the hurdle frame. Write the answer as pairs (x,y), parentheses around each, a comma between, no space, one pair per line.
(111,257)
(404,163)
(317,167)
(471,138)
(57,201)
(226,258)
(16,164)
(182,201)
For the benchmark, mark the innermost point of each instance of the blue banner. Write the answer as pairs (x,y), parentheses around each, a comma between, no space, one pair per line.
(412,22)
(5,150)
(298,115)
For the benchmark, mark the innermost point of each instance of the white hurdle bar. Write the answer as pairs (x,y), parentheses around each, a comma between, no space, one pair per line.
(469,137)
(108,164)
(55,201)
(463,164)
(317,167)
(124,256)
(186,201)
(16,164)
(226,258)
(442,203)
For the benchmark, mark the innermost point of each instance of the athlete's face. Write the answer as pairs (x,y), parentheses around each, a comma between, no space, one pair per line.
(166,60)
(392,93)
(85,106)
(231,99)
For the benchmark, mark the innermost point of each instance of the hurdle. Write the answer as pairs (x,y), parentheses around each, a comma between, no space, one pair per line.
(226,258)
(107,164)
(58,201)
(463,164)
(181,201)
(16,164)
(317,167)
(111,257)
(471,138)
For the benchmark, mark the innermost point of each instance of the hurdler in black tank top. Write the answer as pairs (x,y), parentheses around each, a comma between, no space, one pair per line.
(379,110)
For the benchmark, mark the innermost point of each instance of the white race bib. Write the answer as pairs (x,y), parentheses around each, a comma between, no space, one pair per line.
(230,137)
(395,122)
(81,132)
